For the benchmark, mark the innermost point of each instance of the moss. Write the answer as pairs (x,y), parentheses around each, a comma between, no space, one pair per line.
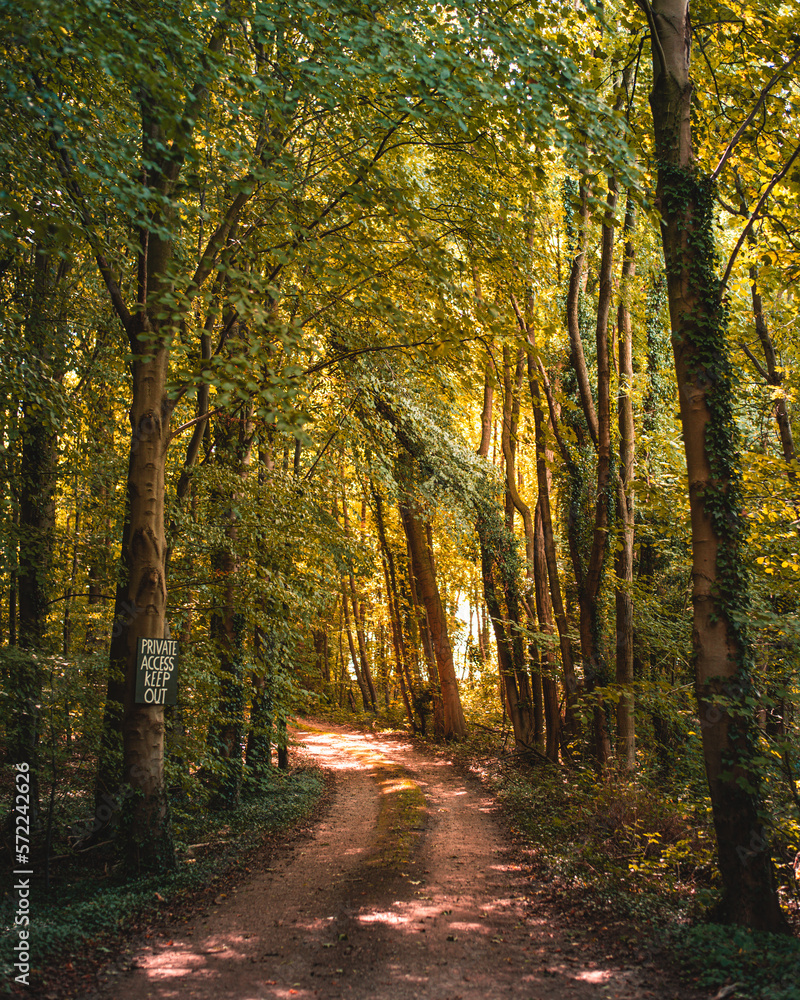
(400,818)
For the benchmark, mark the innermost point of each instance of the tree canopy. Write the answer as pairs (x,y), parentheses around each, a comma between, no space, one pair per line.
(363,350)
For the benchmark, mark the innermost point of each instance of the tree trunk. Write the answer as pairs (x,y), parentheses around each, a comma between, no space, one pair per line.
(395,618)
(550,554)
(774,377)
(544,611)
(226,732)
(258,753)
(428,698)
(626,726)
(362,684)
(771,374)
(508,440)
(486,412)
(45,340)
(577,357)
(529,707)
(366,670)
(423,569)
(510,421)
(722,649)
(499,565)
(139,613)
(320,638)
(364,673)
(594,664)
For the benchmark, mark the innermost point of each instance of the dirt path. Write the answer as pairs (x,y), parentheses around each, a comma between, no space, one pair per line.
(392,896)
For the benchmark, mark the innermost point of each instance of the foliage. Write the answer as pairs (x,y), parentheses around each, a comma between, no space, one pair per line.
(361,197)
(94,909)
(761,966)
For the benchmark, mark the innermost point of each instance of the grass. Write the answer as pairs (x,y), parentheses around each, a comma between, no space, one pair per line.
(400,818)
(91,907)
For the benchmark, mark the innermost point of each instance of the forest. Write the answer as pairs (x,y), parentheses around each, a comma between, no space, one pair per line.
(428,367)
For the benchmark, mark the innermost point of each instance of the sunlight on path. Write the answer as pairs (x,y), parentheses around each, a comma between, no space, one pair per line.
(405,889)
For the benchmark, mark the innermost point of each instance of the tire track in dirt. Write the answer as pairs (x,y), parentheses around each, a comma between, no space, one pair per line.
(393,897)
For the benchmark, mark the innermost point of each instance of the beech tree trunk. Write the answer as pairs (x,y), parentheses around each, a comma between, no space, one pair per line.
(140,613)
(588,577)
(722,650)
(589,581)
(226,732)
(626,726)
(258,753)
(548,537)
(427,698)
(486,412)
(364,674)
(395,617)
(577,357)
(320,638)
(422,564)
(769,371)
(527,713)
(774,377)
(366,670)
(141,595)
(504,601)
(544,611)
(541,554)
(511,405)
(362,684)
(508,440)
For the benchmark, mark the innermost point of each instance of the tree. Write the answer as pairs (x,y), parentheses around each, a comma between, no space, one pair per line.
(722,648)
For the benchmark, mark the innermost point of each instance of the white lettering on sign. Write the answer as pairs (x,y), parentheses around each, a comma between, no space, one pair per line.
(165,663)
(156,671)
(160,647)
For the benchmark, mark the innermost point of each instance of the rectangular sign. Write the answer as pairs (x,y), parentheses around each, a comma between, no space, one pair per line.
(156,672)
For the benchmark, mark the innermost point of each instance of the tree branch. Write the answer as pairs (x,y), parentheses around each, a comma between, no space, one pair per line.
(740,131)
(335,431)
(761,371)
(551,406)
(776,179)
(65,168)
(373,350)
(196,420)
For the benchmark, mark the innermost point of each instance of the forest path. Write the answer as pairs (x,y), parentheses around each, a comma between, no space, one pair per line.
(407,887)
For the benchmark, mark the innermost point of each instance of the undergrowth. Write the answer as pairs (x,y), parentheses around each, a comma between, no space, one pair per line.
(615,848)
(756,966)
(88,907)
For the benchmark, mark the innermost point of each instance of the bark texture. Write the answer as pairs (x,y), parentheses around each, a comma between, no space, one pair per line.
(626,724)
(719,592)
(424,572)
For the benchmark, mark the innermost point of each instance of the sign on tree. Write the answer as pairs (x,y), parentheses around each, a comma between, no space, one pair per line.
(156,672)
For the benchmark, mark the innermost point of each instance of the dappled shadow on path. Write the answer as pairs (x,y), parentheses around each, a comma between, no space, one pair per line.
(393,896)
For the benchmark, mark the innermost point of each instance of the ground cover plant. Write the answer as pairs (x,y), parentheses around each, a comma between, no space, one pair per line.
(92,908)
(436,362)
